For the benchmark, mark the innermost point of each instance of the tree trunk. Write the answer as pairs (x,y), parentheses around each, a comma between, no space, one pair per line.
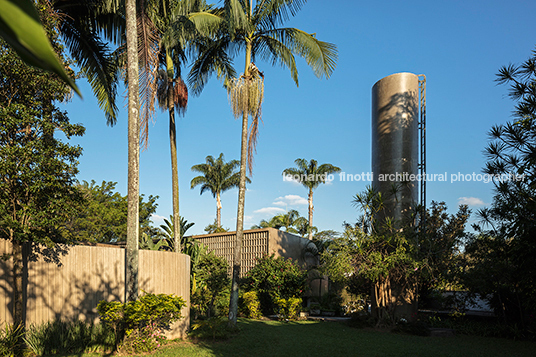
(133,196)
(174,164)
(19,270)
(218,210)
(310,214)
(382,302)
(233,303)
(393,299)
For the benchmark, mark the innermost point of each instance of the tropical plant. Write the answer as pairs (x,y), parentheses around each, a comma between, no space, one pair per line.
(169,232)
(148,243)
(82,26)
(217,177)
(291,221)
(254,28)
(164,32)
(310,175)
(68,337)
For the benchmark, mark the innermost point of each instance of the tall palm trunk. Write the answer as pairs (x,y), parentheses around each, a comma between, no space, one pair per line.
(131,277)
(218,210)
(311,207)
(233,303)
(174,164)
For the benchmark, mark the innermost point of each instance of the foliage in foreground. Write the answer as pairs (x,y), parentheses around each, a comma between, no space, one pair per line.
(139,325)
(500,262)
(10,337)
(61,337)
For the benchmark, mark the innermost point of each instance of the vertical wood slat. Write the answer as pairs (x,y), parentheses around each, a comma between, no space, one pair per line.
(87,275)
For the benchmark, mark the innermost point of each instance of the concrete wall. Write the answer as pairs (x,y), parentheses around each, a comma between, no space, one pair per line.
(71,287)
(256,243)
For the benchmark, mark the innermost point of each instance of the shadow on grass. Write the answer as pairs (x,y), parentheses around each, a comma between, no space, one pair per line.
(307,338)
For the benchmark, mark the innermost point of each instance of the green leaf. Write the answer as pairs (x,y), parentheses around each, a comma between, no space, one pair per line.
(20,27)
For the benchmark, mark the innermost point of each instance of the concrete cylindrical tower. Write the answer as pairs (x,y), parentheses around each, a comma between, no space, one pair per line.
(395,138)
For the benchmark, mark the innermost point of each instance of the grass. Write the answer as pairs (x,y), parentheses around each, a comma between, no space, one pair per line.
(308,338)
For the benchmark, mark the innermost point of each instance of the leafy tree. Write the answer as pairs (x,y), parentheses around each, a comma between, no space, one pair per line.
(254,28)
(217,177)
(441,249)
(37,171)
(310,175)
(103,217)
(504,248)
(372,258)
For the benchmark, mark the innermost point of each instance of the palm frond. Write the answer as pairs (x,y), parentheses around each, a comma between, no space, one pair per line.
(275,52)
(271,13)
(236,16)
(207,23)
(213,57)
(320,56)
(78,28)
(148,54)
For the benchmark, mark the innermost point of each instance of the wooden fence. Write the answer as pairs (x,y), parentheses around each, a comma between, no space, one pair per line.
(68,283)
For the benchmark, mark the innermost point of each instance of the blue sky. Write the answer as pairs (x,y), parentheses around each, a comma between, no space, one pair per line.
(458,45)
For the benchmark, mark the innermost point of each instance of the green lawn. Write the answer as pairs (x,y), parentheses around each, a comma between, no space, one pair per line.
(272,338)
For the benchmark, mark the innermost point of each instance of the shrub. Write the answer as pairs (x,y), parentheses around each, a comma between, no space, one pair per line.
(250,305)
(140,324)
(273,279)
(288,309)
(62,337)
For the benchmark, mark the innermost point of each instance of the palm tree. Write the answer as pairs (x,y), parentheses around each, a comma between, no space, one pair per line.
(242,25)
(217,177)
(131,278)
(165,32)
(310,175)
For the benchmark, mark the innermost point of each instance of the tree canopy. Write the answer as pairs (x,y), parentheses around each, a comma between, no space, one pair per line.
(103,217)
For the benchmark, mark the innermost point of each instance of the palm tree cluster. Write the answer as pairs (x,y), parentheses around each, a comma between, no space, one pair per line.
(291,221)
(155,38)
